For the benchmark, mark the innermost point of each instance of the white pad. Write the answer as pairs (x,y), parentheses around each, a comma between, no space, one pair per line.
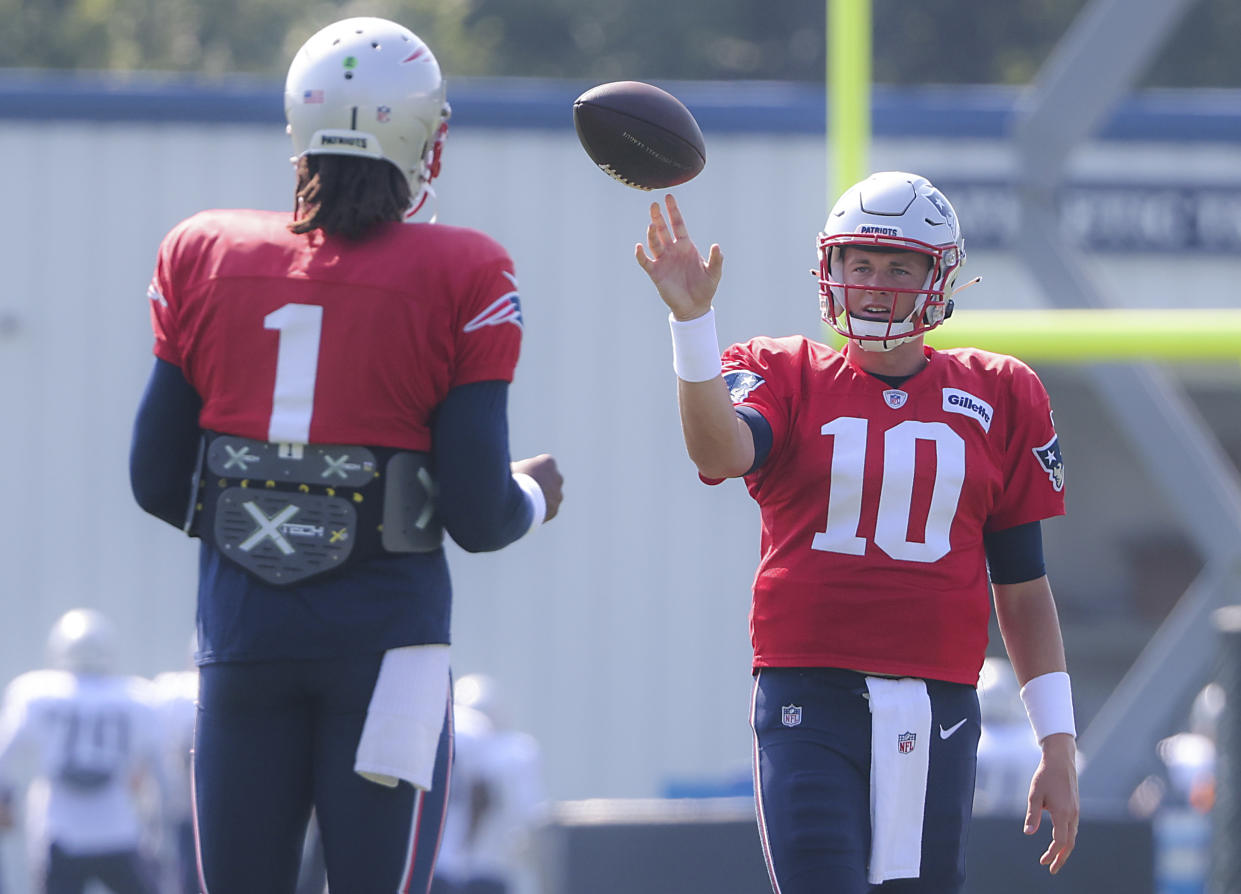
(899,757)
(405,717)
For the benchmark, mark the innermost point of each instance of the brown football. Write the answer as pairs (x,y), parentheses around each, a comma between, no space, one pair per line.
(643,136)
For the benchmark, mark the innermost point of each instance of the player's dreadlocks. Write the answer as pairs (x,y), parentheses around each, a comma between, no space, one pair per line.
(346,195)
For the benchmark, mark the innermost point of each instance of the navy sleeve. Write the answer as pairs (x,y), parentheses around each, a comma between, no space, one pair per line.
(760,428)
(1015,554)
(481,506)
(163,452)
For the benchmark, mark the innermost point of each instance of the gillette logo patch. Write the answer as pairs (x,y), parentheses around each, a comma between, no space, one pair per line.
(957,401)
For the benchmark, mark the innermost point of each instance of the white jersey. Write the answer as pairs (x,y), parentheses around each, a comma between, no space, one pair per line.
(176,699)
(85,740)
(499,844)
(1008,755)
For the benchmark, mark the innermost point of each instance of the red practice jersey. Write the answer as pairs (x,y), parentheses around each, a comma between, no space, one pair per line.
(874,502)
(319,339)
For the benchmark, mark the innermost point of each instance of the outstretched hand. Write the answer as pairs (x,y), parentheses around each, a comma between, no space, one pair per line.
(686,282)
(1054,789)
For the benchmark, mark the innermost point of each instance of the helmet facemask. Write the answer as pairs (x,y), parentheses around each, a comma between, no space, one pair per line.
(931,305)
(889,212)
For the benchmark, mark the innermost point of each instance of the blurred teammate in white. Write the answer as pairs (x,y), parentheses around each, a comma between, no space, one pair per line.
(1008,752)
(496,799)
(82,737)
(176,696)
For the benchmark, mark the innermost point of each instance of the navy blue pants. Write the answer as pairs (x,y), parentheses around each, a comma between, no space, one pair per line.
(275,739)
(812,783)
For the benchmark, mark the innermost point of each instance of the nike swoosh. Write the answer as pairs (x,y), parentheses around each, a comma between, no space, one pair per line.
(945,733)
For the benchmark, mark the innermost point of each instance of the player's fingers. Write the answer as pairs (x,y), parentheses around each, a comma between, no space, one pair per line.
(715,264)
(1034,815)
(679,229)
(643,261)
(1063,838)
(1055,856)
(656,237)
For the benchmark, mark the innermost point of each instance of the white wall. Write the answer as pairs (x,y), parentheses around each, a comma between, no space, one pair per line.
(619,631)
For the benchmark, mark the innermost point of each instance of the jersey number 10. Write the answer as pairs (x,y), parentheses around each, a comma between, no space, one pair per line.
(844,503)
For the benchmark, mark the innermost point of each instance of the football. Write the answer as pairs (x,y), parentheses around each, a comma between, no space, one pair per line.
(639,134)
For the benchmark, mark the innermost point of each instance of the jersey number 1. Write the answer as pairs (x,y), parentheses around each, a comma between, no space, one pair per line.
(844,501)
(297,362)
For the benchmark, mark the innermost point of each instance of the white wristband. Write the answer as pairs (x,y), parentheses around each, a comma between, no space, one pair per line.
(1049,704)
(695,348)
(534,496)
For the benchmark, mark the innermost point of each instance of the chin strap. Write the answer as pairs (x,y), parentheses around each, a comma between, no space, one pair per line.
(433,162)
(427,192)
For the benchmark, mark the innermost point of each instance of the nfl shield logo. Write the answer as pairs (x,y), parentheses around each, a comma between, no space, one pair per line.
(790,715)
(895,398)
(905,742)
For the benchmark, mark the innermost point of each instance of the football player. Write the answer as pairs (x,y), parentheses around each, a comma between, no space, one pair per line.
(176,697)
(890,478)
(329,397)
(1007,750)
(82,737)
(496,800)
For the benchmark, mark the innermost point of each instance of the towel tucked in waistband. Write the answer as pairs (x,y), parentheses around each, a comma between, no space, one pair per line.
(405,717)
(899,757)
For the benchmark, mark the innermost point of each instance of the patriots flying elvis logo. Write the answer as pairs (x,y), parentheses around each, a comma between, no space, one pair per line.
(941,203)
(740,383)
(1050,458)
(505,309)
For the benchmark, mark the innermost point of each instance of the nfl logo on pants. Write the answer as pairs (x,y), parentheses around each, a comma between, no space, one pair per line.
(905,742)
(790,715)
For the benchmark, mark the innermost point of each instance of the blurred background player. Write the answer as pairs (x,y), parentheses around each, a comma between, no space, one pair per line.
(495,805)
(176,701)
(1179,801)
(899,487)
(336,381)
(84,739)
(1008,752)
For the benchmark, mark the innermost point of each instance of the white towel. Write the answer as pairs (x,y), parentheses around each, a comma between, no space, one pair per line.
(899,756)
(405,717)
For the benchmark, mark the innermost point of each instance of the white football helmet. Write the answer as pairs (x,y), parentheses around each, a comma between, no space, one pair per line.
(83,641)
(481,693)
(369,87)
(900,211)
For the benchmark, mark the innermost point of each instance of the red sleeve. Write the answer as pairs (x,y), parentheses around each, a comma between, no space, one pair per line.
(1033,464)
(748,371)
(489,335)
(162,296)
(753,372)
